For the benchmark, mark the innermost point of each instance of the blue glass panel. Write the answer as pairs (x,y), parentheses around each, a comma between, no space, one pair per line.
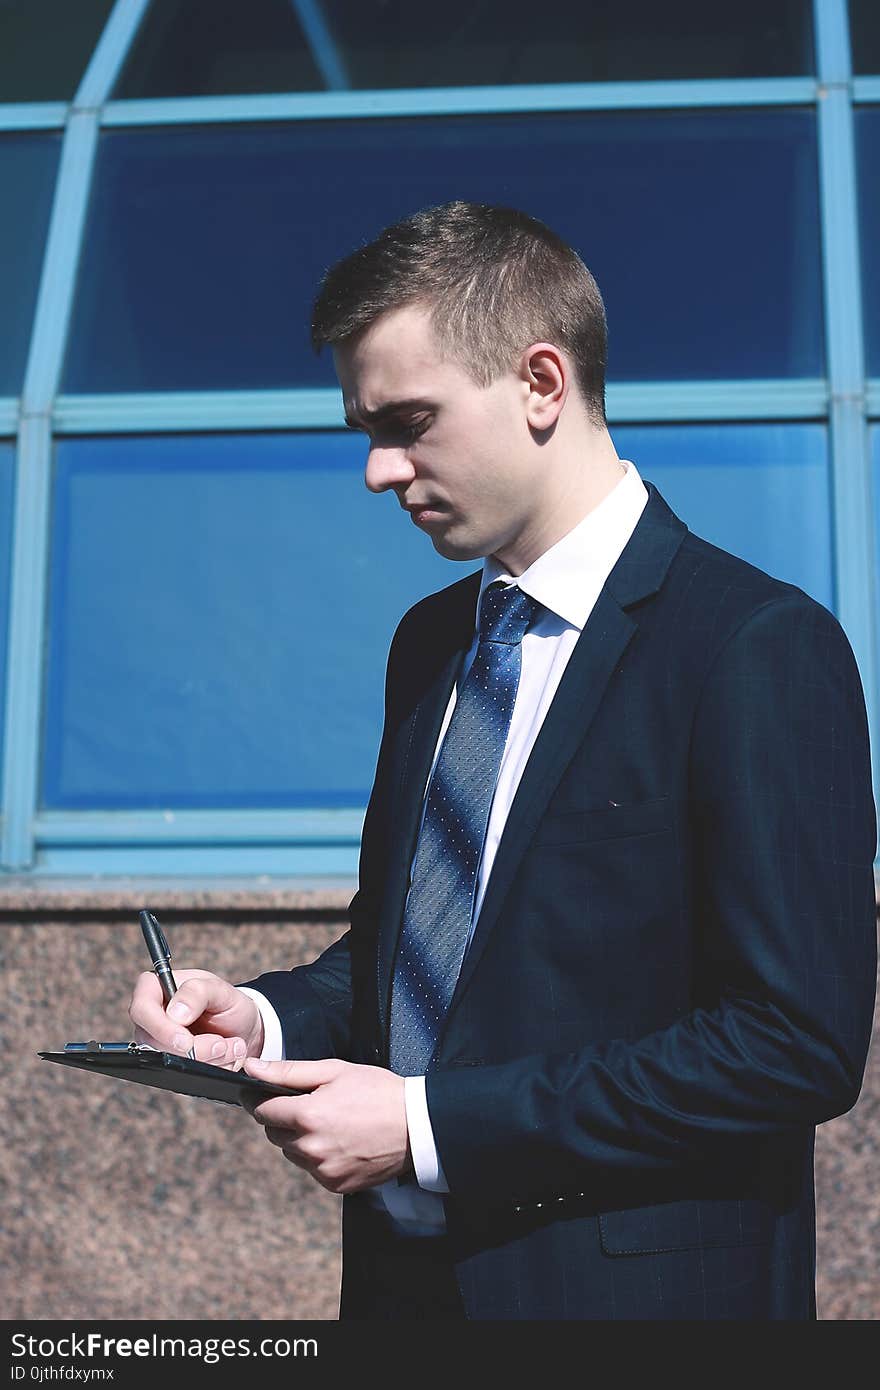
(219,618)
(219,48)
(205,246)
(45,46)
(7,464)
(874,438)
(498,41)
(868,153)
(864,28)
(27,178)
(214,47)
(760,491)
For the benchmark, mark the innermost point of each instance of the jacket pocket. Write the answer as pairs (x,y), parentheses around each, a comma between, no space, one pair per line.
(605,822)
(689,1225)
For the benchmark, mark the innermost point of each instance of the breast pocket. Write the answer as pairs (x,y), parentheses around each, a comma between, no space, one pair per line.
(609,822)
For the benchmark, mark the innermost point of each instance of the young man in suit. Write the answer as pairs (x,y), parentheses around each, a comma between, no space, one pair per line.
(612,954)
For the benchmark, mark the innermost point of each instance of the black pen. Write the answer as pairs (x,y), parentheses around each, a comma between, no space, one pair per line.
(161,958)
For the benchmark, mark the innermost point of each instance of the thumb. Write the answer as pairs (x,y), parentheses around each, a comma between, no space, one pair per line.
(299,1076)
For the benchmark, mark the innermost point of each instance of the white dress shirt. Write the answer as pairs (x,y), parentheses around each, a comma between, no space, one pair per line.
(566,581)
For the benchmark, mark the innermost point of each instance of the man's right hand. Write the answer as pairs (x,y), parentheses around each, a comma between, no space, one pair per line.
(208,1014)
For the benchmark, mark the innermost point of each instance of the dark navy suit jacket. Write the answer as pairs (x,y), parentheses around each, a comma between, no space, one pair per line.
(672,977)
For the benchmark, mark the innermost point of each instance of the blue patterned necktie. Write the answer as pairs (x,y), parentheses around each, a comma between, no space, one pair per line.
(437,916)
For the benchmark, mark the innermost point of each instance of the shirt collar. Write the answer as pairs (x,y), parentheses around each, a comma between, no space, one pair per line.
(567,578)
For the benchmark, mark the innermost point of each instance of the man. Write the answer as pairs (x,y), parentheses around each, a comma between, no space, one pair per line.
(615,922)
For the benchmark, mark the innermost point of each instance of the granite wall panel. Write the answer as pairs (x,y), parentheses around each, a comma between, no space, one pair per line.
(123,1202)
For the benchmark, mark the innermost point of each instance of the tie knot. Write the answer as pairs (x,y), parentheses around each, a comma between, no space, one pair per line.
(505,613)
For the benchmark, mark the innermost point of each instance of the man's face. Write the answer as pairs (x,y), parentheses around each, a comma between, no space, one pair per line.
(455,453)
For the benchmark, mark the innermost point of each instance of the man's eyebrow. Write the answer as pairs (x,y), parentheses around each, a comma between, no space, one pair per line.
(383,412)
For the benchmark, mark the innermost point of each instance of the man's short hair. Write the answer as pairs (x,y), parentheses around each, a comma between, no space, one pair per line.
(493,279)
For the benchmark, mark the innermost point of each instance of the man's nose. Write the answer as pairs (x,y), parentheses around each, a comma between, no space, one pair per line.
(387,468)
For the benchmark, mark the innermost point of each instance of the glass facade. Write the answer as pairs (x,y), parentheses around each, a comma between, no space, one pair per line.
(868,155)
(28,163)
(874,438)
(200,262)
(222,47)
(218,606)
(45,46)
(7,454)
(207,590)
(864,20)
(760,491)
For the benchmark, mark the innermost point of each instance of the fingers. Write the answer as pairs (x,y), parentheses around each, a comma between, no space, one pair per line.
(197,995)
(174,1029)
(208,1047)
(299,1076)
(303,1153)
(283,1114)
(220,1052)
(151,1024)
(283,1139)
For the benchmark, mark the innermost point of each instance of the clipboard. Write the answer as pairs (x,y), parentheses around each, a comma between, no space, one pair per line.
(167,1071)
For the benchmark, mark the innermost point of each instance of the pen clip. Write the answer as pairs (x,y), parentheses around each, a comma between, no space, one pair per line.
(162,942)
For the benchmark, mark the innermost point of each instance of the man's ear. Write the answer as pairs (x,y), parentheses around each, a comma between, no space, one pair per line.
(546,372)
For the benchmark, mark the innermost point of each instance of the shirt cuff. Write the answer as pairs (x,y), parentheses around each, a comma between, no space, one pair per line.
(426,1160)
(273,1038)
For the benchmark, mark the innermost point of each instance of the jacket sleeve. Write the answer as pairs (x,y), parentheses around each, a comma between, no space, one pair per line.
(784,832)
(313,1003)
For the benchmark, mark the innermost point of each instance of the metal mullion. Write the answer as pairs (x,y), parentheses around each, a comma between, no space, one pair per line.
(241,827)
(307,863)
(321,408)
(682,402)
(853,511)
(55,295)
(866,88)
(8,414)
(440,101)
(199,411)
(33,115)
(24,663)
(33,468)
(110,53)
(322,46)
(33,464)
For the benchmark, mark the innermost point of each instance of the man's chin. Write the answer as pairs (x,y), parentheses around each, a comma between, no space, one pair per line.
(451,549)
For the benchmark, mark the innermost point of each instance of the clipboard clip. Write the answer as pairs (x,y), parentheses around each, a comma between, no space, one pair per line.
(94,1046)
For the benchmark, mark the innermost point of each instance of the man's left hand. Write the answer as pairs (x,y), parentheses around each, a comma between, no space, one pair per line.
(349,1132)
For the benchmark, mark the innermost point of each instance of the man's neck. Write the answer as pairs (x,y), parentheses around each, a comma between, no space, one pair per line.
(593,482)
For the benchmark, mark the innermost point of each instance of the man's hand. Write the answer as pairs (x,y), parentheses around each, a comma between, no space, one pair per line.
(349,1132)
(207,1013)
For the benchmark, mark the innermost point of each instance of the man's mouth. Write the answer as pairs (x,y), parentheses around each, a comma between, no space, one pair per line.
(422,512)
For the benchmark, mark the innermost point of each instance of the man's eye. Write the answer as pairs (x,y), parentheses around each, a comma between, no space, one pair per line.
(394,432)
(412,431)
(399,432)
